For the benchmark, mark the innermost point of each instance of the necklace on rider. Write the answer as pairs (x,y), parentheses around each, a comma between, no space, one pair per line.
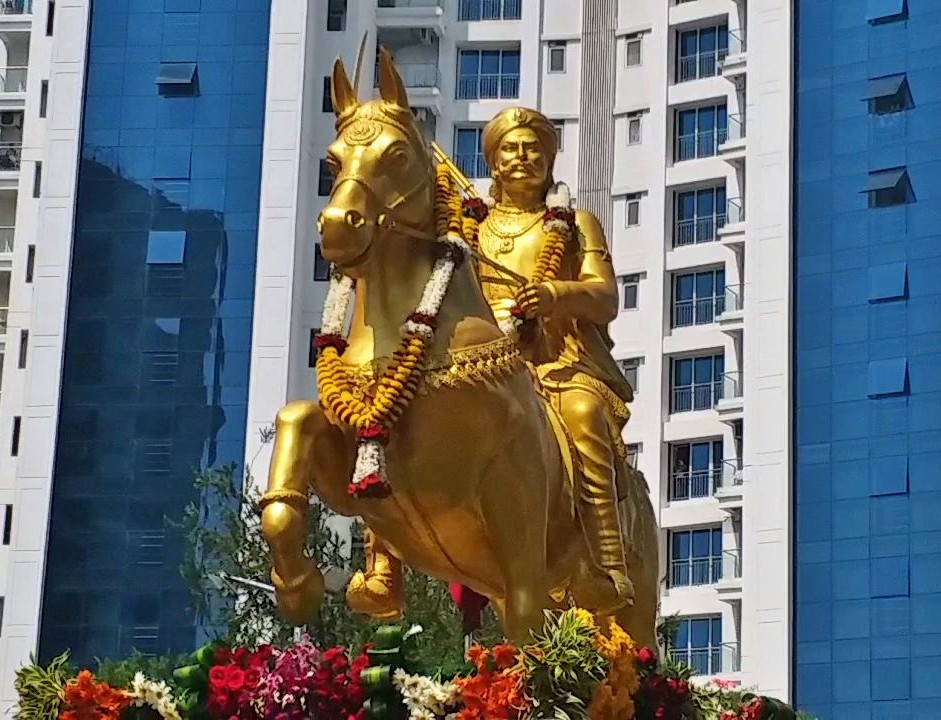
(507,224)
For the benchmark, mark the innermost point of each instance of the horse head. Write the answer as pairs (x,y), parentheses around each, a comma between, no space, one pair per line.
(383,193)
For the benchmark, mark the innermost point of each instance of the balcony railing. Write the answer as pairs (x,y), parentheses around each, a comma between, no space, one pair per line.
(731,565)
(417,75)
(724,658)
(699,145)
(472,10)
(697,397)
(734,299)
(13,79)
(689,484)
(697,311)
(472,165)
(693,231)
(736,127)
(731,475)
(10,154)
(16,7)
(735,211)
(7,234)
(4,315)
(736,43)
(695,571)
(409,3)
(731,385)
(703,65)
(483,87)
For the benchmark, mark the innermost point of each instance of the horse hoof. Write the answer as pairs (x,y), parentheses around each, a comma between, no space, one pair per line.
(298,606)
(375,595)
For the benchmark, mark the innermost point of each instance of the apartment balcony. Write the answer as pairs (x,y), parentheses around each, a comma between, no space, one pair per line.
(488,87)
(484,10)
(721,659)
(684,12)
(10,156)
(14,13)
(12,81)
(731,317)
(730,483)
(699,145)
(732,232)
(7,235)
(697,572)
(729,585)
(732,147)
(697,311)
(693,484)
(4,316)
(410,14)
(730,402)
(694,231)
(734,65)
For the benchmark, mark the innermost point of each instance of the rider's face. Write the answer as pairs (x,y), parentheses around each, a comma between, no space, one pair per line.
(520,159)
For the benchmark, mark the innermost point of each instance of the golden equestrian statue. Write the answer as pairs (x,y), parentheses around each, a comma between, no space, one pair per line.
(472,415)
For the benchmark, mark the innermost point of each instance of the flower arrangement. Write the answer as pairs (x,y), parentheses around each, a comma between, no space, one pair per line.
(573,669)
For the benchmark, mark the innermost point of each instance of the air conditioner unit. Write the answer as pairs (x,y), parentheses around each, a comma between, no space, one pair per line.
(10,119)
(425,36)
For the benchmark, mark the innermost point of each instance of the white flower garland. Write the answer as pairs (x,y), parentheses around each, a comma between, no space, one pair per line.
(156,695)
(426,699)
(370,452)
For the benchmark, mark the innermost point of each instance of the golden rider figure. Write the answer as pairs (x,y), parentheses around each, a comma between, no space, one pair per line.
(565,340)
(568,343)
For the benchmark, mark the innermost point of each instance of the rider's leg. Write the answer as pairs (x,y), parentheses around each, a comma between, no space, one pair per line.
(377,592)
(596,492)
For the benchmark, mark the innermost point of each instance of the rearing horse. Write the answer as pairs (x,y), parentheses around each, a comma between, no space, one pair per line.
(482,492)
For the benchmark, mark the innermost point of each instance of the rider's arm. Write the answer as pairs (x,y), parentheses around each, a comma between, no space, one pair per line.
(594,295)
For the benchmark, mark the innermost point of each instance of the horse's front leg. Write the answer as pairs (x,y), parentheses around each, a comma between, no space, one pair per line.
(298,582)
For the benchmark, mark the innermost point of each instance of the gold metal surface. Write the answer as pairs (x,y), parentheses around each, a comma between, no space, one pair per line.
(481,493)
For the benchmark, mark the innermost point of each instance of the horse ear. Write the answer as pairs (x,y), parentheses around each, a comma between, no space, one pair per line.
(341,91)
(391,87)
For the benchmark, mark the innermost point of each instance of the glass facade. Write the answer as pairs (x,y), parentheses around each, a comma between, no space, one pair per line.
(160,312)
(867,349)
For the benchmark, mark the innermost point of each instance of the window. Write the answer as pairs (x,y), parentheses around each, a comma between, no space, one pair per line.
(888,95)
(43,98)
(557,57)
(888,282)
(696,382)
(321,266)
(50,17)
(177,79)
(312,348)
(632,48)
(699,215)
(30,262)
(559,127)
(483,74)
(887,188)
(695,469)
(888,377)
(15,439)
(633,454)
(630,367)
(698,298)
(885,11)
(698,645)
(633,128)
(473,10)
(324,179)
(7,524)
(632,209)
(336,15)
(695,557)
(700,132)
(700,52)
(24,349)
(469,153)
(629,290)
(326,103)
(37,179)
(166,247)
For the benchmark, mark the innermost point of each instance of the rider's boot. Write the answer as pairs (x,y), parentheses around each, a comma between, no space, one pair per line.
(378,592)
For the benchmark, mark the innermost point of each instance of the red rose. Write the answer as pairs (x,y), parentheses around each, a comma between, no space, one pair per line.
(646,656)
(236,679)
(252,677)
(217,675)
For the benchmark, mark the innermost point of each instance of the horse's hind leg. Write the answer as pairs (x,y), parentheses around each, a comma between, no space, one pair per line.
(299,585)
(378,590)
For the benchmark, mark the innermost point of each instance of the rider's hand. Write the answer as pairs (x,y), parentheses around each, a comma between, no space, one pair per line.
(536,300)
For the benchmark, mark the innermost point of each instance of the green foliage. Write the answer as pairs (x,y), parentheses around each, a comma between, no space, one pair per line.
(40,690)
(564,667)
(120,673)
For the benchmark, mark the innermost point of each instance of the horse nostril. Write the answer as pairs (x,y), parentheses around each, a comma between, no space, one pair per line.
(355,219)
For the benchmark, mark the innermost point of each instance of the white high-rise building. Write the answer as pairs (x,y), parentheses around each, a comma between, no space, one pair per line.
(674,119)
(674,127)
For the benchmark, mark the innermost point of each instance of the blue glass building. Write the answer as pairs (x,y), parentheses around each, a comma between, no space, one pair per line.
(160,312)
(867,353)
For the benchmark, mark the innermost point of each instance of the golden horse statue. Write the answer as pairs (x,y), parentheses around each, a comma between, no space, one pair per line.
(478,464)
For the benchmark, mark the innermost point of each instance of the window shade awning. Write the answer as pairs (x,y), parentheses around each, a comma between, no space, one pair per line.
(176,73)
(884,180)
(884,87)
(881,9)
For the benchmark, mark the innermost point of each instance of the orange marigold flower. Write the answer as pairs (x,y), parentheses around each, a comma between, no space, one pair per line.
(478,656)
(505,656)
(86,699)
